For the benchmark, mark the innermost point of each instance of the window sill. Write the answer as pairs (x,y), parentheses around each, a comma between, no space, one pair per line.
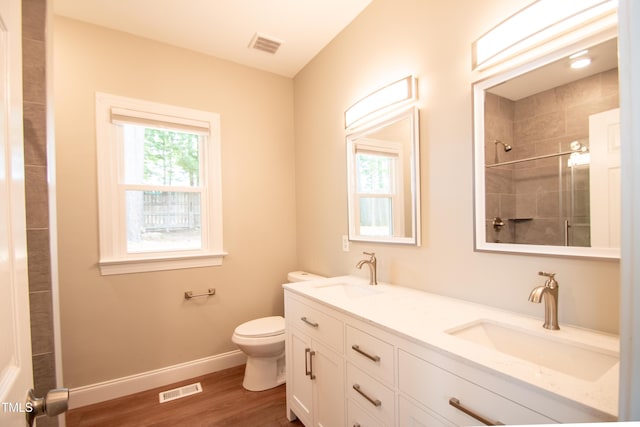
(142,265)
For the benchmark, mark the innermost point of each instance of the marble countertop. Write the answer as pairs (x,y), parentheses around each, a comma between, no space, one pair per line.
(425,317)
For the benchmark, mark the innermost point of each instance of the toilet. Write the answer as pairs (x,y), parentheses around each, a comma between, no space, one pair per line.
(262,340)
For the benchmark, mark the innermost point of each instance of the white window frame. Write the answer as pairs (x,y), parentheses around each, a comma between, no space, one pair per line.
(114,257)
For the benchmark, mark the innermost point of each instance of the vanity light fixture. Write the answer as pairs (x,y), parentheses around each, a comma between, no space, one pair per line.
(391,97)
(541,22)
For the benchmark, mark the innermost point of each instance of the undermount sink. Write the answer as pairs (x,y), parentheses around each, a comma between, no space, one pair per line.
(574,359)
(349,290)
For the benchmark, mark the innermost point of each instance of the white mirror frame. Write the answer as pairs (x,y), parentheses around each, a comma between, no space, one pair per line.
(412,114)
(478,90)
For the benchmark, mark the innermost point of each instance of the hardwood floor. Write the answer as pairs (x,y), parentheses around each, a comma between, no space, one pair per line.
(222,402)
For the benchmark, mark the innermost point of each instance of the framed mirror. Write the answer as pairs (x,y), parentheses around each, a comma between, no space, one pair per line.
(383,180)
(547,155)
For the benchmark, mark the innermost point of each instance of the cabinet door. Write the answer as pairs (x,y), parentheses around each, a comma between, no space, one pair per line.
(299,384)
(329,400)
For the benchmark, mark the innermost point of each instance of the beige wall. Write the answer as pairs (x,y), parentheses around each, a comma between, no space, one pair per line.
(432,40)
(113,326)
(282,197)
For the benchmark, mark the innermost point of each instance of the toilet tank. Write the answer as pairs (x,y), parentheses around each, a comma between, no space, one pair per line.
(301,276)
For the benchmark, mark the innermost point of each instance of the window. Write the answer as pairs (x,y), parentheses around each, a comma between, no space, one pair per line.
(160,203)
(379,204)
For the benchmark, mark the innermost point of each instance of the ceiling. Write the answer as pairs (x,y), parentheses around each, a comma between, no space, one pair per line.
(603,57)
(225,28)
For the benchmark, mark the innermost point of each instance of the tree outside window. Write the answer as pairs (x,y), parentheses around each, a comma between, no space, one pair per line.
(162,160)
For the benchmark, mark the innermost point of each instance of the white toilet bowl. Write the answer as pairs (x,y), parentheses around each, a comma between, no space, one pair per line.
(262,340)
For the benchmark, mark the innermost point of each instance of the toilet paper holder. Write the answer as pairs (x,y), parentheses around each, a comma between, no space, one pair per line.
(190,294)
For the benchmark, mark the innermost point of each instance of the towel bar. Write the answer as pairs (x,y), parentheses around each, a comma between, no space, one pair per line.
(189,294)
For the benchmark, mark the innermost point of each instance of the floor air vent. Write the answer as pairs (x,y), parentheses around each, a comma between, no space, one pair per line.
(179,392)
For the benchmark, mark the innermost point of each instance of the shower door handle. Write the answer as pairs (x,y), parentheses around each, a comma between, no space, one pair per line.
(308,363)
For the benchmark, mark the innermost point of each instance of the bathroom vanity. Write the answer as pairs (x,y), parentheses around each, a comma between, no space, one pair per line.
(361,355)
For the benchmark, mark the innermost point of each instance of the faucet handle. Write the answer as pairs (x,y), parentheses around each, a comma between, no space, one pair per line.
(551,281)
(371,254)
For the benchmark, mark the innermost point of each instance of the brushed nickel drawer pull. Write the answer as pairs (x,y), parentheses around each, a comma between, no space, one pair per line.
(308,322)
(311,374)
(356,425)
(374,402)
(456,404)
(308,363)
(365,354)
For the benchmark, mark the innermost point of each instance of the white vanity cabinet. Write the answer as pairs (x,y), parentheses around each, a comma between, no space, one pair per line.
(315,364)
(345,369)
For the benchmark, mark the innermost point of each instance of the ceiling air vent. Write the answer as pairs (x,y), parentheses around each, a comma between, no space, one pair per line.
(264,43)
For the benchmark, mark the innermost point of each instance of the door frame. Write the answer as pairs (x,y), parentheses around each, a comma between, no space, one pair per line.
(629,57)
(51,179)
(16,365)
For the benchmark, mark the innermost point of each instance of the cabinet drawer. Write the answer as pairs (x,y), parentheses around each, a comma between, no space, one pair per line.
(370,354)
(315,323)
(411,415)
(372,395)
(358,417)
(433,387)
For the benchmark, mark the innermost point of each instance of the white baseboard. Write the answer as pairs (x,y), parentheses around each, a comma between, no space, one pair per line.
(99,392)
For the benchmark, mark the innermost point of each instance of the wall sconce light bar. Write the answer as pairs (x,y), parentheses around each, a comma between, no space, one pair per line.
(390,97)
(538,23)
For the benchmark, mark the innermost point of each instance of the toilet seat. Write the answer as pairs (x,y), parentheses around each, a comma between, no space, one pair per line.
(263,327)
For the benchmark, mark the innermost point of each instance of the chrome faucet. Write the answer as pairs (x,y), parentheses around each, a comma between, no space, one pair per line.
(372,263)
(550,293)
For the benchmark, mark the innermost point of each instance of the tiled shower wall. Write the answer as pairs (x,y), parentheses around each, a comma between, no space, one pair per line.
(36,195)
(533,198)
